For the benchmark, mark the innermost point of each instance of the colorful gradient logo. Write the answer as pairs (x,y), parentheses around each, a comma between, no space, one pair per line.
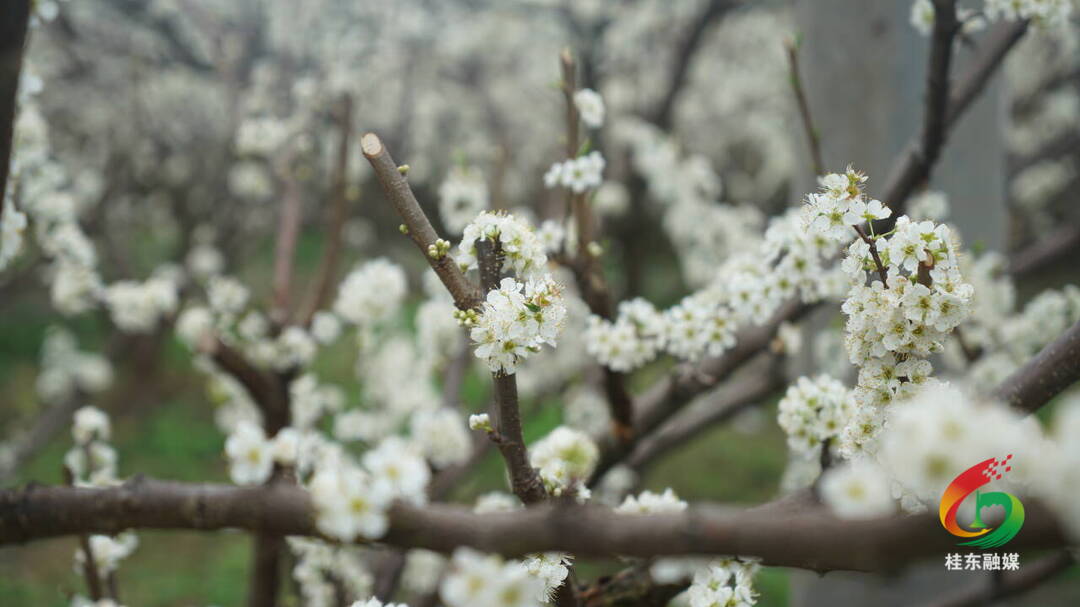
(969,481)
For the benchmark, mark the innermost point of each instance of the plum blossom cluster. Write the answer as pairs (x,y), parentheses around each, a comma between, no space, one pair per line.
(725,581)
(522,252)
(351,500)
(92,461)
(67,372)
(747,288)
(324,570)
(106,552)
(631,340)
(579,174)
(474,579)
(566,459)
(813,412)
(906,294)
(138,307)
(516,320)
(1005,337)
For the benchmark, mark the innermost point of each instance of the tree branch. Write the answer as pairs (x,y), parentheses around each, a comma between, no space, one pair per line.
(465,294)
(265,389)
(335,219)
(804,537)
(757,382)
(285,249)
(1046,375)
(588,271)
(670,394)
(524,480)
(813,138)
(917,161)
(1046,250)
(13,25)
(662,115)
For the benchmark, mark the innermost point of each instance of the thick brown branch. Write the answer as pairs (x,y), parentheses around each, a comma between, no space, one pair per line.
(1052,370)
(934,127)
(14,21)
(397,189)
(266,390)
(916,163)
(804,537)
(335,220)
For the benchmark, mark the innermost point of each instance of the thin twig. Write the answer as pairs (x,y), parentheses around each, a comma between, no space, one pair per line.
(335,219)
(588,271)
(285,248)
(396,187)
(916,162)
(874,254)
(813,138)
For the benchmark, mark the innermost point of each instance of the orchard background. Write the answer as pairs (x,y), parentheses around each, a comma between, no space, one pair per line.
(205,237)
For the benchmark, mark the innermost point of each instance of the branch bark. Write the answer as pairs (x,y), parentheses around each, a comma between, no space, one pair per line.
(1044,251)
(1052,370)
(917,161)
(813,138)
(804,537)
(14,22)
(396,187)
(757,382)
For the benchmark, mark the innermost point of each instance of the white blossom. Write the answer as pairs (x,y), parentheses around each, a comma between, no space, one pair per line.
(590,107)
(859,489)
(250,455)
(349,503)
